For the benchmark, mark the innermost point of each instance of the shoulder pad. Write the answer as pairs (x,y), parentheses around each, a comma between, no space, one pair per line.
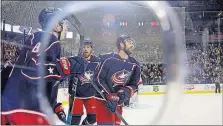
(133,60)
(95,58)
(106,55)
(40,34)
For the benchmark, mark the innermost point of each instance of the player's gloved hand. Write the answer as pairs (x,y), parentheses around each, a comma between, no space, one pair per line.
(124,94)
(73,65)
(58,109)
(112,102)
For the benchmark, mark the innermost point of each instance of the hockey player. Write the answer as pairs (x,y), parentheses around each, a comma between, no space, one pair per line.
(118,78)
(20,104)
(85,92)
(5,71)
(217,83)
(134,100)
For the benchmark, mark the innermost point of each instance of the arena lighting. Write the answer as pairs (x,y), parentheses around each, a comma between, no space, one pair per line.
(7,27)
(161,13)
(69,35)
(16,29)
(152,3)
(11,28)
(174,92)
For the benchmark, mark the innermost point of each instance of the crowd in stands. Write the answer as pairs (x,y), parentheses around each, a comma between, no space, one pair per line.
(204,60)
(11,43)
(204,63)
(10,52)
(153,74)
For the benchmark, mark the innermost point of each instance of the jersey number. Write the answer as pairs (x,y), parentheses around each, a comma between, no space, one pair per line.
(36,48)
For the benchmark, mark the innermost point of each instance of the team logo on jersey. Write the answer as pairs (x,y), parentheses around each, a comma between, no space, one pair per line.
(120,77)
(50,70)
(87,76)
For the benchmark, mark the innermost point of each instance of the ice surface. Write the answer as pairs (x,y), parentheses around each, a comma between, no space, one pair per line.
(196,109)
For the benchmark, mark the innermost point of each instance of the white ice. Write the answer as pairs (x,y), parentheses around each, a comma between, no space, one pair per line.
(196,109)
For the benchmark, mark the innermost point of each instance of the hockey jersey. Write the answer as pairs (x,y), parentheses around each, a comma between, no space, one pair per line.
(5,71)
(115,73)
(84,87)
(21,88)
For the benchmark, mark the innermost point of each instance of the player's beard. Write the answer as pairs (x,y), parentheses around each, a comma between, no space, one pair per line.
(87,55)
(128,51)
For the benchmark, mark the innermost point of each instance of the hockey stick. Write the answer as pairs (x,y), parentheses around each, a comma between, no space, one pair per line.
(81,30)
(76,23)
(102,95)
(72,99)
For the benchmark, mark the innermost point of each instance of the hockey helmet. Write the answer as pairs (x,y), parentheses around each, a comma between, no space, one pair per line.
(88,42)
(123,39)
(46,14)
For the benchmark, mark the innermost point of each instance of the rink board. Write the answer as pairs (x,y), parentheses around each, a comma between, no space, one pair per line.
(188,89)
(156,90)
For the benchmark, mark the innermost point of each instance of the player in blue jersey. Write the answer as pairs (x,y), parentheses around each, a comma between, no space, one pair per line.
(85,92)
(20,104)
(5,71)
(117,78)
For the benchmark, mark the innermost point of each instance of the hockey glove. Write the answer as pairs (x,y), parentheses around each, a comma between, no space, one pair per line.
(124,94)
(73,65)
(112,102)
(58,109)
